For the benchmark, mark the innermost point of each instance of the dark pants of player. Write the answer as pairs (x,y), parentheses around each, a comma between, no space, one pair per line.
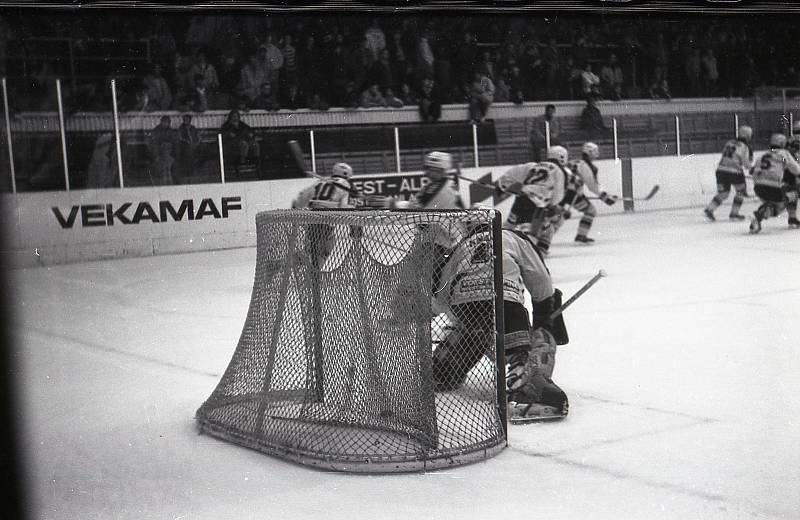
(773,201)
(551,227)
(724,182)
(527,217)
(469,338)
(791,183)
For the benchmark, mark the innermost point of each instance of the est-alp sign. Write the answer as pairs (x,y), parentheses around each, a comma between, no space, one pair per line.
(127,213)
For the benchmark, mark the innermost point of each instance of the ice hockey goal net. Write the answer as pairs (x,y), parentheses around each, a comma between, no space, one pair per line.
(334,365)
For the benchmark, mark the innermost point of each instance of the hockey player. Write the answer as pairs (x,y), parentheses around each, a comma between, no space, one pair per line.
(439,192)
(791,207)
(769,180)
(538,187)
(530,349)
(736,160)
(582,173)
(329,193)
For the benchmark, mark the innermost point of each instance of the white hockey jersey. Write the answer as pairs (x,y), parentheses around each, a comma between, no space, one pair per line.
(468,274)
(737,157)
(333,192)
(543,183)
(770,168)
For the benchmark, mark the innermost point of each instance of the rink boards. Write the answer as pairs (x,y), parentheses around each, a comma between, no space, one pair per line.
(46,228)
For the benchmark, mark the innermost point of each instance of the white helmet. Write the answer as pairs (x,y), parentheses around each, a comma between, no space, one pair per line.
(591,149)
(438,160)
(559,153)
(777,141)
(342,170)
(745,132)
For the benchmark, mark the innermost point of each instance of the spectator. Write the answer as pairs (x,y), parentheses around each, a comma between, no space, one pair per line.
(292,101)
(238,139)
(710,73)
(592,119)
(430,103)
(229,75)
(487,66)
(372,97)
(350,99)
(274,61)
(141,101)
(317,103)
(186,152)
(611,79)
(481,96)
(693,72)
(161,168)
(162,133)
(407,96)
(502,93)
(158,91)
(590,83)
(338,63)
(253,75)
(425,59)
(660,90)
(392,101)
(206,70)
(464,58)
(538,134)
(199,99)
(381,71)
(182,81)
(289,62)
(266,99)
(659,58)
(375,39)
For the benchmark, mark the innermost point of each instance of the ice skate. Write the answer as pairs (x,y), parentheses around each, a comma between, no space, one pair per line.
(736,217)
(532,394)
(794,223)
(709,215)
(584,239)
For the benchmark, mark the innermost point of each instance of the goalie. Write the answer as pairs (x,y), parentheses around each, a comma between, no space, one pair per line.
(530,345)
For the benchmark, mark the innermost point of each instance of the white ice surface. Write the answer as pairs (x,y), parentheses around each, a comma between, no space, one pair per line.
(683,374)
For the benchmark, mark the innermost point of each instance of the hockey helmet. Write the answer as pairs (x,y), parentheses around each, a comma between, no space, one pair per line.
(777,141)
(342,170)
(437,163)
(591,150)
(559,154)
(794,144)
(745,132)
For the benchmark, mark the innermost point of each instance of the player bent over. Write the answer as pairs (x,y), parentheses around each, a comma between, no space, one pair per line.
(769,179)
(329,193)
(538,187)
(530,346)
(582,173)
(737,158)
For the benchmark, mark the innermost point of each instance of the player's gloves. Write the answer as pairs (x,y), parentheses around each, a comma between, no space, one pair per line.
(566,213)
(552,211)
(608,199)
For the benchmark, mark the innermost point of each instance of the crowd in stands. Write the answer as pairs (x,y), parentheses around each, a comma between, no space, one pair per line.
(271,61)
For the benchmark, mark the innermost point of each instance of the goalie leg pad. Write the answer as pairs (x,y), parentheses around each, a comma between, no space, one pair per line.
(532,394)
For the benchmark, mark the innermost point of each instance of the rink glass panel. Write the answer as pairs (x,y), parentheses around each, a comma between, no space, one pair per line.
(334,364)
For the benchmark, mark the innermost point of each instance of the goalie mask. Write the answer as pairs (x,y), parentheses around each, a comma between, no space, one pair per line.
(558,154)
(437,164)
(342,170)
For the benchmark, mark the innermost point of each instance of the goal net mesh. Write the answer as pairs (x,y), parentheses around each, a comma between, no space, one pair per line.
(334,366)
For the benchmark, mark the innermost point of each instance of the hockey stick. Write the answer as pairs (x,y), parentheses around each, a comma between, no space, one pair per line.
(297,154)
(578,294)
(649,196)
